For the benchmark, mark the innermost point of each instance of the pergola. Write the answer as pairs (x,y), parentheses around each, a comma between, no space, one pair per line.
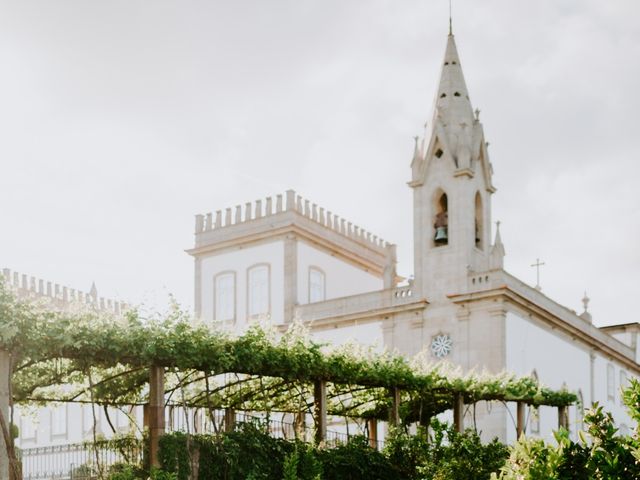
(125,361)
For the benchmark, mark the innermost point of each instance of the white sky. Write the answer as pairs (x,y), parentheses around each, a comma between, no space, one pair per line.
(120,120)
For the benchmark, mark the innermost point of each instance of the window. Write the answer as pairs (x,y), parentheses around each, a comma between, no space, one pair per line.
(87,418)
(225,296)
(59,421)
(611,383)
(441,221)
(534,419)
(27,427)
(479,225)
(534,412)
(258,293)
(316,285)
(623,385)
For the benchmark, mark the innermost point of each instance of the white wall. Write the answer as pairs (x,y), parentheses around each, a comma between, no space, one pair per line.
(369,334)
(558,360)
(239,261)
(342,278)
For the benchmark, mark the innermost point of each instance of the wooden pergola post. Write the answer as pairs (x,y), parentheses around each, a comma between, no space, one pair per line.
(394,414)
(458,412)
(520,416)
(563,417)
(372,426)
(299,425)
(320,410)
(5,378)
(156,413)
(229,419)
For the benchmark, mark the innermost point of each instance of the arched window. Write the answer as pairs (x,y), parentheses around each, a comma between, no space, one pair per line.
(258,290)
(441,221)
(624,383)
(579,412)
(611,382)
(224,296)
(479,219)
(316,285)
(534,412)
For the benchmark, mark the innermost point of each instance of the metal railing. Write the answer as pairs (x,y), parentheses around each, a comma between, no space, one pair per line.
(80,461)
(90,461)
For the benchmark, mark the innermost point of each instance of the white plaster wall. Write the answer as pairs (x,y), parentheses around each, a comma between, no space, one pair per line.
(78,428)
(369,334)
(557,360)
(614,405)
(342,278)
(239,261)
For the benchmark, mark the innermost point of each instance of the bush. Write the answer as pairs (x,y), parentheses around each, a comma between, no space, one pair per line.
(600,454)
(446,455)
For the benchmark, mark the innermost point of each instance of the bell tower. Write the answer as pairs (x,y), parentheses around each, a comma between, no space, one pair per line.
(452,188)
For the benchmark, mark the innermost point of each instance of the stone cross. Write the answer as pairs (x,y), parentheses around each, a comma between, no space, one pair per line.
(538,264)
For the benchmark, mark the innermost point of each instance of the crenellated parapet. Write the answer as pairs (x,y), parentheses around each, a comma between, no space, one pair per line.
(60,296)
(289,202)
(290,213)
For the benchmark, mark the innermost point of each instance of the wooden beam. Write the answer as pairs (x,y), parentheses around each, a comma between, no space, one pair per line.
(156,413)
(229,419)
(372,425)
(520,416)
(394,414)
(320,410)
(458,412)
(563,417)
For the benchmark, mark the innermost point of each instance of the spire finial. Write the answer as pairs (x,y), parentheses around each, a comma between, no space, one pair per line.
(450,21)
(585,302)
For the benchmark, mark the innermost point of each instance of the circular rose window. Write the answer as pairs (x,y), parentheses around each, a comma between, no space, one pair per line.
(441,345)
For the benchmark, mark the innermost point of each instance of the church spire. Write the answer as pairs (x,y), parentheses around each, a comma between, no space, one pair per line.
(453,106)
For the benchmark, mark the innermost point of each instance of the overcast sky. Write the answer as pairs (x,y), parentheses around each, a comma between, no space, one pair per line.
(120,120)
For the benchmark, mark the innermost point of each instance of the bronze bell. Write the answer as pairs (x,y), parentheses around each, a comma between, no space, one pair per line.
(441,235)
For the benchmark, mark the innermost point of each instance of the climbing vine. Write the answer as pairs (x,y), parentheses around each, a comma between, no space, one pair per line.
(259,370)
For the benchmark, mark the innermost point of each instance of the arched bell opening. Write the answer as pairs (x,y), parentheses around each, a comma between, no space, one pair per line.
(441,220)
(479,222)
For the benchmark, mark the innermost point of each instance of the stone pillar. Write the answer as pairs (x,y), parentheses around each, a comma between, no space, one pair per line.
(156,413)
(320,410)
(458,412)
(5,376)
(520,419)
(290,277)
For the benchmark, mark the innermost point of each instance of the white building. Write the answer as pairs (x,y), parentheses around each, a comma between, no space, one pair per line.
(286,258)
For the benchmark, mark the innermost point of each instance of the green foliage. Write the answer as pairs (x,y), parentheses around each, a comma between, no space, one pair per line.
(356,460)
(75,349)
(446,454)
(600,454)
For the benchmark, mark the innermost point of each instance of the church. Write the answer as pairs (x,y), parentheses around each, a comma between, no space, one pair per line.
(286,259)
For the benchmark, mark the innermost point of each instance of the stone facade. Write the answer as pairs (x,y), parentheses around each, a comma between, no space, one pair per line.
(461,305)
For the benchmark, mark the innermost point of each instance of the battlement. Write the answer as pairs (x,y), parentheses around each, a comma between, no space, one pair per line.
(280,204)
(61,296)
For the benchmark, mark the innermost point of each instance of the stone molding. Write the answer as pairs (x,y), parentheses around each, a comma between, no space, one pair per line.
(357,309)
(510,290)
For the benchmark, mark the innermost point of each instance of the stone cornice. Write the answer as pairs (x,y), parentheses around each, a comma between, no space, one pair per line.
(514,292)
(358,309)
